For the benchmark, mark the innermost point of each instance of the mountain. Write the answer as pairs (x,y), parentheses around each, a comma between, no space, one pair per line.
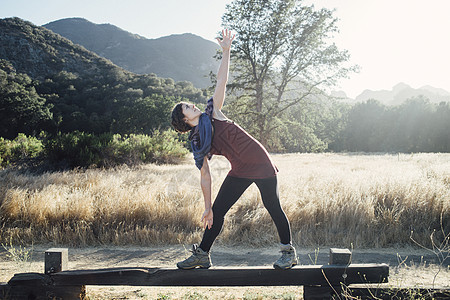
(437,91)
(184,57)
(401,92)
(341,96)
(81,90)
(40,53)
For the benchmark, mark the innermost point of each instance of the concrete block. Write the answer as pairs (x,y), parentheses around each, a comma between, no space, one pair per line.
(340,256)
(56,260)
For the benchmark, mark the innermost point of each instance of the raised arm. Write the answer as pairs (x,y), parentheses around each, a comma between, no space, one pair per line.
(222,74)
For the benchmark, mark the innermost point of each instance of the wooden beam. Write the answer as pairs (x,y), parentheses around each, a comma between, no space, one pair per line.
(40,286)
(71,284)
(230,276)
(4,290)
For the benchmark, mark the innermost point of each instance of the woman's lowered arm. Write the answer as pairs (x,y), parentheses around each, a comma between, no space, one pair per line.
(205,183)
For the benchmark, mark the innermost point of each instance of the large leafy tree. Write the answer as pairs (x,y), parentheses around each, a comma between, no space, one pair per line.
(366,127)
(282,54)
(144,115)
(22,110)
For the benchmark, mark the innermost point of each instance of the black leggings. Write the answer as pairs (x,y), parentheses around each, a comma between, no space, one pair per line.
(232,188)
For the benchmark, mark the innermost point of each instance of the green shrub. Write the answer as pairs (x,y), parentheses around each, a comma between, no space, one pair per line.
(161,148)
(79,149)
(21,148)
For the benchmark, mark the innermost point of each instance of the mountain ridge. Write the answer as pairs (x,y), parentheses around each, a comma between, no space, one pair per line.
(398,94)
(182,57)
(401,92)
(190,65)
(38,52)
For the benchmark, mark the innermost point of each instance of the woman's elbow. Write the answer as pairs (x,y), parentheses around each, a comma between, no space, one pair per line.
(222,81)
(204,171)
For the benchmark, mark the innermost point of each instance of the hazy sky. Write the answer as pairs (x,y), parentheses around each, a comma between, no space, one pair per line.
(392,40)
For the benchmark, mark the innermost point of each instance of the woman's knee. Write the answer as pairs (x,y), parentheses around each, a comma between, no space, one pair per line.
(218,215)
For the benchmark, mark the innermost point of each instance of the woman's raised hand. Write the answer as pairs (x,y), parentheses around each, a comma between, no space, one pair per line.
(226,40)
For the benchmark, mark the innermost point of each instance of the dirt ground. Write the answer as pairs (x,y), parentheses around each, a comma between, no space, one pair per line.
(409,267)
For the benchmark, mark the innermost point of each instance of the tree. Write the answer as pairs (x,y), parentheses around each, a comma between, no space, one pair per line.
(416,118)
(366,129)
(22,110)
(144,115)
(281,55)
(441,129)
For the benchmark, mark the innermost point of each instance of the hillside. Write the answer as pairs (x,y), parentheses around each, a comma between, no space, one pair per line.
(40,53)
(70,88)
(184,57)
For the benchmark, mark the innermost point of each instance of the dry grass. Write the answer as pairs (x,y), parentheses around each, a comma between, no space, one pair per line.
(330,199)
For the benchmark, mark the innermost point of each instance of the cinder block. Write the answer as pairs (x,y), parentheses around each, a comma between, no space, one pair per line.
(340,256)
(56,260)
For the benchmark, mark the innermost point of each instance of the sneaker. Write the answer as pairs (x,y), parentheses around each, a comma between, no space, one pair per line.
(199,258)
(288,258)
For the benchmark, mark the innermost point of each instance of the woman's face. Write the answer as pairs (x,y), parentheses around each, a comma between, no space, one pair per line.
(190,112)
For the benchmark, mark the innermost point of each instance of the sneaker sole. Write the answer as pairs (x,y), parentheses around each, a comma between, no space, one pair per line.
(203,267)
(287,268)
(190,268)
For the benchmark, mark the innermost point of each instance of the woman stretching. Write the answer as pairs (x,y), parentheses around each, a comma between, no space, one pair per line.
(213,133)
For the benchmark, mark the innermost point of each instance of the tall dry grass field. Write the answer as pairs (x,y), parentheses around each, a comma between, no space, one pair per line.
(330,199)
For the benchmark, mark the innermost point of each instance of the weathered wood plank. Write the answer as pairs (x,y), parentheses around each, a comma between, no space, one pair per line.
(246,276)
(40,286)
(4,290)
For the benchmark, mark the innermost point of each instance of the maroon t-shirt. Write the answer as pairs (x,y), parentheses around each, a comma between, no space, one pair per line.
(248,157)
